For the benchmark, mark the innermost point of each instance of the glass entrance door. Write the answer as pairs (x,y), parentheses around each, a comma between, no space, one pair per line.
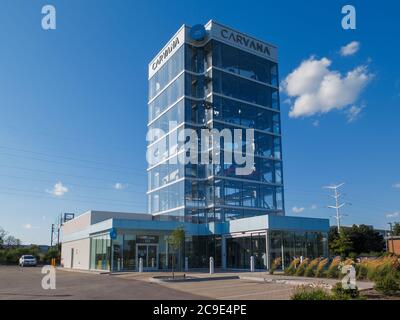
(142,253)
(148,252)
(152,257)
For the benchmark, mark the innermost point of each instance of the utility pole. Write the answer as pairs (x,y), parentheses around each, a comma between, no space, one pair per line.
(52,235)
(55,231)
(337,206)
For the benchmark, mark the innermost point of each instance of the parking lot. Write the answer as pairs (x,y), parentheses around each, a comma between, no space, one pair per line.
(25,283)
(235,289)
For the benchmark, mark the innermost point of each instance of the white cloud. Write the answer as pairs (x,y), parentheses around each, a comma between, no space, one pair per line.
(298,209)
(353,113)
(313,207)
(58,190)
(393,215)
(396,185)
(120,186)
(316,123)
(28,226)
(317,90)
(350,49)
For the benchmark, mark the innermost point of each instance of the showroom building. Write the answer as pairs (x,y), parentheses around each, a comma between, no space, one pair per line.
(207,79)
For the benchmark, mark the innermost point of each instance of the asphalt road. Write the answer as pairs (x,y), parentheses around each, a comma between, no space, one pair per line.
(25,283)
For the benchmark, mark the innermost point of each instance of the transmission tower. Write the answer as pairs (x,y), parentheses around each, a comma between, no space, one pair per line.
(337,195)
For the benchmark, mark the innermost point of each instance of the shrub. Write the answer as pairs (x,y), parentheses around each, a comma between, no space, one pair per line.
(292,267)
(380,267)
(307,293)
(387,284)
(333,270)
(276,263)
(321,268)
(339,293)
(361,271)
(352,255)
(302,267)
(312,268)
(348,262)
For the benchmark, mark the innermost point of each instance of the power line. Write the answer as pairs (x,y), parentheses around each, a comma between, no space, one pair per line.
(84,197)
(68,164)
(66,199)
(57,137)
(57,173)
(72,158)
(69,183)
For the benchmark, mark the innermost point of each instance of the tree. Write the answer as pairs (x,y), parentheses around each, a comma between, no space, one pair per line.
(357,239)
(333,234)
(3,234)
(364,239)
(175,241)
(341,245)
(11,241)
(396,229)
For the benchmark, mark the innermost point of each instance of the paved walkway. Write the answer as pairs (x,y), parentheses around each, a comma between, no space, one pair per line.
(265,277)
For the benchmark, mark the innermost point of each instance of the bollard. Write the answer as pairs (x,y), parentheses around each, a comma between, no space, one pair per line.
(140,264)
(252,263)
(186,264)
(211,265)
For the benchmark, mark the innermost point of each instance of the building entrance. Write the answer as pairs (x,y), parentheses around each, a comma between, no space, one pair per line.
(149,254)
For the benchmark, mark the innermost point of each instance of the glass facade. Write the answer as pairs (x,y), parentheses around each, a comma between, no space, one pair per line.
(100,252)
(199,249)
(124,252)
(215,86)
(240,249)
(289,245)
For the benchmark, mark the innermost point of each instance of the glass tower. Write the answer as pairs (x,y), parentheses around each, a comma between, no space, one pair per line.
(224,80)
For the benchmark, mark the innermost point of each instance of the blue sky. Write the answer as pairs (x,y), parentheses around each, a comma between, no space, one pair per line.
(73,105)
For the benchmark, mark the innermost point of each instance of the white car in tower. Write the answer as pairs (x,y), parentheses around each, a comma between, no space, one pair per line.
(27,260)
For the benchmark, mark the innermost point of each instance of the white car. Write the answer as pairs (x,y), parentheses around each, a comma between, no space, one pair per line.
(27,260)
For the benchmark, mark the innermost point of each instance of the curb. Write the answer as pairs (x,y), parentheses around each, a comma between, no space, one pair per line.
(192,279)
(81,271)
(284,281)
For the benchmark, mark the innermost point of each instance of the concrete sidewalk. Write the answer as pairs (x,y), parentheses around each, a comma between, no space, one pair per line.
(260,276)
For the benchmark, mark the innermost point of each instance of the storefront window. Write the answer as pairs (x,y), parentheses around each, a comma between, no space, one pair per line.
(199,249)
(129,252)
(100,253)
(240,249)
(117,257)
